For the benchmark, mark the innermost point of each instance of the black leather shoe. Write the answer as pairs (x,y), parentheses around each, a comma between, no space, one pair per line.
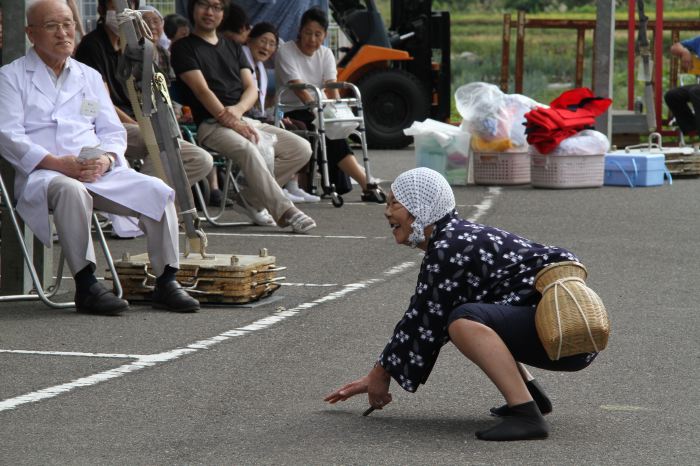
(170,296)
(101,301)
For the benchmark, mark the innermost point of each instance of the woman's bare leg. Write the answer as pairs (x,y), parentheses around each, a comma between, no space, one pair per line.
(353,169)
(485,348)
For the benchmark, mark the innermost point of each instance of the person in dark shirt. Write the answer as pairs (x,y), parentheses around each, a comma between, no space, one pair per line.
(100,50)
(476,289)
(684,101)
(217,83)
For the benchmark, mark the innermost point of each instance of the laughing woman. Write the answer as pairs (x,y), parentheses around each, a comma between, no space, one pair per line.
(475,289)
(307,60)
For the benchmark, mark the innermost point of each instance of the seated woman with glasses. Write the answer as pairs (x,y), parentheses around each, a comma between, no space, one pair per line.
(260,46)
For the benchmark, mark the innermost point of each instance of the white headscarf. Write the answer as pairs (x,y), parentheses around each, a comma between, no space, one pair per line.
(426,195)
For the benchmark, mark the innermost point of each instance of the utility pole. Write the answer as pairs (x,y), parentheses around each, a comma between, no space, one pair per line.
(604,53)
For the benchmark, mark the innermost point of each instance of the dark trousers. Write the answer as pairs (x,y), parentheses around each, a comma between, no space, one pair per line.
(336,150)
(679,101)
(516,327)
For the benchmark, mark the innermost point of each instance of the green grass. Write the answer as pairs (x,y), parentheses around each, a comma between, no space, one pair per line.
(550,55)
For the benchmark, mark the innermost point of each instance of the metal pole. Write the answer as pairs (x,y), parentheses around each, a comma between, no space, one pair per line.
(520,53)
(505,53)
(631,14)
(659,65)
(604,56)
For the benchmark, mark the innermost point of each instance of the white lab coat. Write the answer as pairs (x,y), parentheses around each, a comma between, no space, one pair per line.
(39,119)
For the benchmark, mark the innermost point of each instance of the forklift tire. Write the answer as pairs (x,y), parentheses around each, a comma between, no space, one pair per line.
(392,100)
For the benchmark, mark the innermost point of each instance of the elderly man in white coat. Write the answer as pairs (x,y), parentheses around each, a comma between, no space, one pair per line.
(54,109)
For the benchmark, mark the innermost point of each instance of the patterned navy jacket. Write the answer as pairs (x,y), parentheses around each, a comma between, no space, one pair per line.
(465,262)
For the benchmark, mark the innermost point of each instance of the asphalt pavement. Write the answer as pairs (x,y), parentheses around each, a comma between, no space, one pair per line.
(245,385)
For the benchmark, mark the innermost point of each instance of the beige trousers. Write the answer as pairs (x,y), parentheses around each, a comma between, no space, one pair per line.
(197,162)
(72,206)
(264,191)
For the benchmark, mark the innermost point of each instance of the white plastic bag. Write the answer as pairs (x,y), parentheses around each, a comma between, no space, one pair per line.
(492,117)
(338,129)
(586,142)
(481,105)
(266,146)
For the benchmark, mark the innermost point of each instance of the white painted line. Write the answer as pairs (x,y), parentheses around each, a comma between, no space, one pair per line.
(75,353)
(627,408)
(399,268)
(310,285)
(486,204)
(151,360)
(285,235)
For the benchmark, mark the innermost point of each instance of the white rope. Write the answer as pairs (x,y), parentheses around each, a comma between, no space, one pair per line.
(560,283)
(136,16)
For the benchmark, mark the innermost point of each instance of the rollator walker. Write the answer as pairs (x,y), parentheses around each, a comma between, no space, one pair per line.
(317,136)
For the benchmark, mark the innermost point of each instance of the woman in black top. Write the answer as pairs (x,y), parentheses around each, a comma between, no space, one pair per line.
(476,289)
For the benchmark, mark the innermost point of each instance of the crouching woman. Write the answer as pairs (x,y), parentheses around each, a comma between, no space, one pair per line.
(476,289)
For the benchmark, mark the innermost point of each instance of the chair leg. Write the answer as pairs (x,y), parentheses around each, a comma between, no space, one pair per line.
(229,183)
(38,287)
(116,284)
(42,294)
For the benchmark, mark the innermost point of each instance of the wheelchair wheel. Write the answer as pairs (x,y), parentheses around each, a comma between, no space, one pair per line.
(337,200)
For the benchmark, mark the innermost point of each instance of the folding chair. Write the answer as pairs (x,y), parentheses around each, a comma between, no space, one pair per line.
(38,292)
(318,142)
(230,183)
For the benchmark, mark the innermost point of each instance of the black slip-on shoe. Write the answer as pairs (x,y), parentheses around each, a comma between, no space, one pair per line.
(373,193)
(172,297)
(100,301)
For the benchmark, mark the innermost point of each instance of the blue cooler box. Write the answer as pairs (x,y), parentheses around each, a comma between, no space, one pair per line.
(635,169)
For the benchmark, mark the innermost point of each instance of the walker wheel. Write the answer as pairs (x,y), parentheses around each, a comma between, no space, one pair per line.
(337,200)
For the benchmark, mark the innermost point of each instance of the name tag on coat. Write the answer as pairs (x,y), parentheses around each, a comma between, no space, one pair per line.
(90,108)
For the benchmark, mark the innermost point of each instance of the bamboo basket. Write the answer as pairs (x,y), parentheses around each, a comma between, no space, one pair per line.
(570,317)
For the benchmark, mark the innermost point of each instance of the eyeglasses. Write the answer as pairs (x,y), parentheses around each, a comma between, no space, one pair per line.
(153,21)
(267,43)
(208,6)
(52,27)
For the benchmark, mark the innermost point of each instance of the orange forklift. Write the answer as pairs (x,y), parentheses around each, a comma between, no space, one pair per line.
(404,73)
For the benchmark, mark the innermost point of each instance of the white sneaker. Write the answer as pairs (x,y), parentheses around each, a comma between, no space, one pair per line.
(292,197)
(298,192)
(262,218)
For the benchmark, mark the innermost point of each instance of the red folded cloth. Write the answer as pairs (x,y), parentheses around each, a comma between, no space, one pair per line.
(571,112)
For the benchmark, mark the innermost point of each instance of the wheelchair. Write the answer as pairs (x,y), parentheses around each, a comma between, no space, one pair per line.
(317,137)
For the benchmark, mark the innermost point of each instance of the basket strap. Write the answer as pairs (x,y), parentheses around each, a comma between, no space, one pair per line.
(561,282)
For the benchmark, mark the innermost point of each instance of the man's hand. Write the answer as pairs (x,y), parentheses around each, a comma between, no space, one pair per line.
(229,116)
(246,131)
(93,169)
(686,60)
(87,171)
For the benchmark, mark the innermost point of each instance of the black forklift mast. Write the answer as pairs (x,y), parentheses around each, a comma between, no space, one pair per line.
(415,28)
(425,35)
